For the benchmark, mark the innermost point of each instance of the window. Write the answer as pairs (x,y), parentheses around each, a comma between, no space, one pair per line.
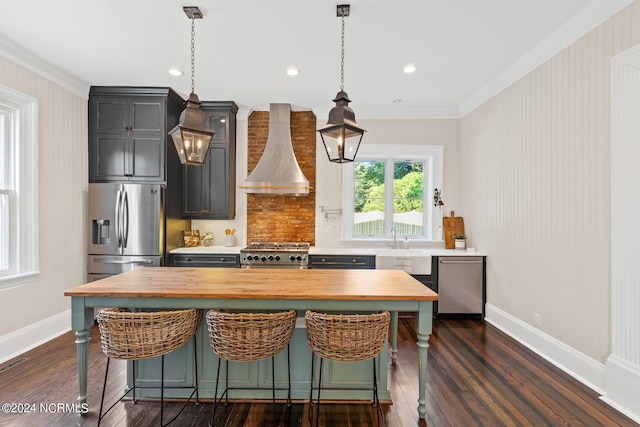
(18,188)
(385,192)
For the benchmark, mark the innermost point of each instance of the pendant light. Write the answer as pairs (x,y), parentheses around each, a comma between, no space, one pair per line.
(341,135)
(192,137)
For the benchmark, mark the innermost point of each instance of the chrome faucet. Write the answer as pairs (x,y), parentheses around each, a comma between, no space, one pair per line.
(395,242)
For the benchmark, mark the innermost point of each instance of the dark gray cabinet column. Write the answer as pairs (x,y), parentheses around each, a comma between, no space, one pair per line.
(128,129)
(209,190)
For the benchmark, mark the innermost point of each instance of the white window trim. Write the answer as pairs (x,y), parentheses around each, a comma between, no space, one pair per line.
(431,155)
(24,240)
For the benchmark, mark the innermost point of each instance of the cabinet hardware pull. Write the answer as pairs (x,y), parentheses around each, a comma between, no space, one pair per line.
(461,262)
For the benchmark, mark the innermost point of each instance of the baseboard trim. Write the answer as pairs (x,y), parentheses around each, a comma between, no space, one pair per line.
(17,342)
(577,364)
(622,385)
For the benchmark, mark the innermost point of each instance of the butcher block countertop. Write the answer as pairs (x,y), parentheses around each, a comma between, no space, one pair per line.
(258,283)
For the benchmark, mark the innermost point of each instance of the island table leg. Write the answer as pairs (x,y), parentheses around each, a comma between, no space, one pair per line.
(81,321)
(82,344)
(424,323)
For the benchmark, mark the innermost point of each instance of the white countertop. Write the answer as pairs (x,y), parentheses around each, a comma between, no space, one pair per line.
(373,251)
(215,249)
(341,251)
(455,252)
(219,249)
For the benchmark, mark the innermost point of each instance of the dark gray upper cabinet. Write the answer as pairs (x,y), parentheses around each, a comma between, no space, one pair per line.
(209,190)
(128,133)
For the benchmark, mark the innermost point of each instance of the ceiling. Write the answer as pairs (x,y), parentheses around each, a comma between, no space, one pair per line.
(243,47)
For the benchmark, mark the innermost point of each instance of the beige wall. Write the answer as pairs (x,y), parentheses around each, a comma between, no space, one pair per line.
(62,186)
(536,189)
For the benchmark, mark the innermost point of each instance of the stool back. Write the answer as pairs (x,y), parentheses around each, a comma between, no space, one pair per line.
(347,337)
(244,337)
(134,336)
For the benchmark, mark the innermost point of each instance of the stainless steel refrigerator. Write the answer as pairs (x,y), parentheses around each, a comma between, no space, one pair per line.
(126,228)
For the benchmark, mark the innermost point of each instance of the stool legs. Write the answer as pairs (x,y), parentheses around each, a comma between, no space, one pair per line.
(376,400)
(104,388)
(225,393)
(133,389)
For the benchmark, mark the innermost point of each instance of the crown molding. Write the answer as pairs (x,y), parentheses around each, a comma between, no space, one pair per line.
(22,57)
(577,27)
(244,112)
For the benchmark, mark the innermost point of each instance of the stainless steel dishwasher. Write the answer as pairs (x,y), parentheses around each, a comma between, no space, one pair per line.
(460,284)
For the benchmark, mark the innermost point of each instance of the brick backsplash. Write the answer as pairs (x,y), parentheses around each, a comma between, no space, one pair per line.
(283,218)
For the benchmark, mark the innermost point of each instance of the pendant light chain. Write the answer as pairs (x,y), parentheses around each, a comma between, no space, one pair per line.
(193,53)
(342,55)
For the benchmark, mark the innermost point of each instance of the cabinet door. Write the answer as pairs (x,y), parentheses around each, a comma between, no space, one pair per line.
(218,178)
(145,157)
(108,115)
(108,157)
(194,195)
(146,139)
(146,115)
(209,190)
(342,261)
(107,139)
(209,260)
(127,139)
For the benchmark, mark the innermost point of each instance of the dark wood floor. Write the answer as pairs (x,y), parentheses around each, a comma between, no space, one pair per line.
(477,376)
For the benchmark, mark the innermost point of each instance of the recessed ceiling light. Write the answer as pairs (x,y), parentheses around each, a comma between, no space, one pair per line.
(293,71)
(410,68)
(175,72)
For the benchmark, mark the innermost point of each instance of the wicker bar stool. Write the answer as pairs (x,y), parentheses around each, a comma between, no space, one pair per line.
(134,336)
(346,338)
(248,337)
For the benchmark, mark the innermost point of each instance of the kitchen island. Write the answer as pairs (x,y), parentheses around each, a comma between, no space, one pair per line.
(255,289)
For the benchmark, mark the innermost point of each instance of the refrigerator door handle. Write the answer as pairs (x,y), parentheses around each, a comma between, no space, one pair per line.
(125,218)
(122,261)
(118,210)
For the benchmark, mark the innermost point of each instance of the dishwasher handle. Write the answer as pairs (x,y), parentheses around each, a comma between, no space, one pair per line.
(461,261)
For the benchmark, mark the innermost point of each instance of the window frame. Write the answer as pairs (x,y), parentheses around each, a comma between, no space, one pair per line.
(20,166)
(433,158)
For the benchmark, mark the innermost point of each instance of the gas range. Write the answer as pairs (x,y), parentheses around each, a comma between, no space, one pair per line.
(275,255)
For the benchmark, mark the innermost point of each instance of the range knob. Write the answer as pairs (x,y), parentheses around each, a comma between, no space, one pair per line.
(277,257)
(270,257)
(298,258)
(263,258)
(255,257)
(292,258)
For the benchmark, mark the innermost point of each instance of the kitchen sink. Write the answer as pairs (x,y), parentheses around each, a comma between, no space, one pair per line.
(413,261)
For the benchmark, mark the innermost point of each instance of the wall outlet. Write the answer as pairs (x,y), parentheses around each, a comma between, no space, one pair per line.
(329,228)
(536,320)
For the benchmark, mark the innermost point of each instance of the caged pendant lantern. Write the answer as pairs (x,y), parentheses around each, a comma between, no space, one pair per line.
(341,135)
(192,137)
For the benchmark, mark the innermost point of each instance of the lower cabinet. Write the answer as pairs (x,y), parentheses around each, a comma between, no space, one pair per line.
(430,280)
(179,371)
(460,282)
(204,260)
(342,261)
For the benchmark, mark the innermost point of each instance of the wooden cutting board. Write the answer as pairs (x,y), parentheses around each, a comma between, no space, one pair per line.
(452,225)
